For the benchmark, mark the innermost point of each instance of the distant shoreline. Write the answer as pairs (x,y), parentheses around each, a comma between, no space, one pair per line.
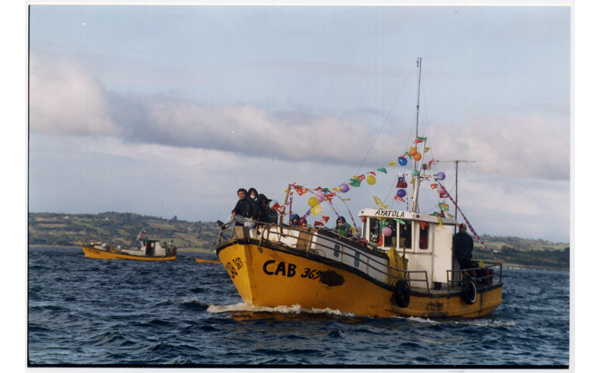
(203,251)
(77,247)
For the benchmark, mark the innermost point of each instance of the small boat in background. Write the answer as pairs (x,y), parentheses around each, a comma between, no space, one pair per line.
(148,249)
(200,260)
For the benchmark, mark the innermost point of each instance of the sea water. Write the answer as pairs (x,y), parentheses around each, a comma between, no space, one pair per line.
(121,313)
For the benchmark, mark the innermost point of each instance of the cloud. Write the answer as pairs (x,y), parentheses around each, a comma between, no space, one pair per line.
(245,129)
(526,146)
(65,100)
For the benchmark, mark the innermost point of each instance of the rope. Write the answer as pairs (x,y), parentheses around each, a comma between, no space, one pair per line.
(386,119)
(469,224)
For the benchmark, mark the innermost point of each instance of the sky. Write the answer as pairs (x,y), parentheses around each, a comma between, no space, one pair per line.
(168,110)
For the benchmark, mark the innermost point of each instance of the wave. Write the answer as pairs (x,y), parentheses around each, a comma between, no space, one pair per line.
(290,310)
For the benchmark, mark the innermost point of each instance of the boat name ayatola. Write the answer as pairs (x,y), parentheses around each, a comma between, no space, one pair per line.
(389,213)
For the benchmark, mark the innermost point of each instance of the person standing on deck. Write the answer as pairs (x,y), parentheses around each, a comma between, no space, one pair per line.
(462,245)
(341,227)
(245,208)
(252,193)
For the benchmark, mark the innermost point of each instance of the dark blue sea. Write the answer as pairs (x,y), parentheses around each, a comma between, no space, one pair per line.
(108,313)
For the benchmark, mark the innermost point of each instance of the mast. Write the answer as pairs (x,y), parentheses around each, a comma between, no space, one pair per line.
(415,204)
(287,195)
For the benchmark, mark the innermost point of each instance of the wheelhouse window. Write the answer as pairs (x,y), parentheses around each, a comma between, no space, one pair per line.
(391,239)
(374,231)
(424,236)
(406,235)
(384,233)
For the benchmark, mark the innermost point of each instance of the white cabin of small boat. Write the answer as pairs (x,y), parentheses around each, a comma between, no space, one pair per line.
(148,247)
(420,237)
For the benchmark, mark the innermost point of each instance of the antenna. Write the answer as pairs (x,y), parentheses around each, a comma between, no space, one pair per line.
(456,162)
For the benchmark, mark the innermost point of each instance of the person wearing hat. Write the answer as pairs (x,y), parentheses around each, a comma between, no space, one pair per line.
(341,227)
(462,246)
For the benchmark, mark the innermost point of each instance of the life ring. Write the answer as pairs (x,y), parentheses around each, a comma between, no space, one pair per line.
(402,293)
(469,290)
(112,249)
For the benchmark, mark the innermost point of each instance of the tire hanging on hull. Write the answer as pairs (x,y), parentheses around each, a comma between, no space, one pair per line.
(402,293)
(469,290)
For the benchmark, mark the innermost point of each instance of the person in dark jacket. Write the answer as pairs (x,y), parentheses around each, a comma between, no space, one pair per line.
(252,193)
(244,209)
(462,245)
(263,208)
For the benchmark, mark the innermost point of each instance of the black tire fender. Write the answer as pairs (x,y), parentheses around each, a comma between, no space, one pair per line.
(469,290)
(402,293)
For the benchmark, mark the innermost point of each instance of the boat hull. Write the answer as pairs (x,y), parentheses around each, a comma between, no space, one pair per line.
(200,260)
(102,254)
(272,276)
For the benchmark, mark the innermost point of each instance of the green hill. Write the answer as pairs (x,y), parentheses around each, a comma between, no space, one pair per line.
(123,228)
(525,252)
(118,229)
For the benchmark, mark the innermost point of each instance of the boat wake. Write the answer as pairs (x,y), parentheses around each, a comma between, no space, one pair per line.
(289,310)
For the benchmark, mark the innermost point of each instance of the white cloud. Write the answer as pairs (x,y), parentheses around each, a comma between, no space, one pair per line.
(527,147)
(65,100)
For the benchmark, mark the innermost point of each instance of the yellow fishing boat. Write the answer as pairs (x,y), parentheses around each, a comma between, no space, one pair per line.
(402,265)
(278,265)
(148,249)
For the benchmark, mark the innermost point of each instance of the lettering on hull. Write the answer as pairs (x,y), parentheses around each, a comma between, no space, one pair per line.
(283,269)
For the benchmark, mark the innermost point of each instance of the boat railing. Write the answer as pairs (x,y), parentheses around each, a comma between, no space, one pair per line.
(263,232)
(484,275)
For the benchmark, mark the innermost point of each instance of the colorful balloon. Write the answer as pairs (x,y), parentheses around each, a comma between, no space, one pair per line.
(440,190)
(417,157)
(387,231)
(441,175)
(345,188)
(273,203)
(320,196)
(371,180)
(412,151)
(313,201)
(401,193)
(402,161)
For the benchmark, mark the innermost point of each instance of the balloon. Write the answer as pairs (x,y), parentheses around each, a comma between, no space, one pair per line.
(401,193)
(371,180)
(320,196)
(345,188)
(402,161)
(441,191)
(412,151)
(273,203)
(313,201)
(387,231)
(417,157)
(441,175)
